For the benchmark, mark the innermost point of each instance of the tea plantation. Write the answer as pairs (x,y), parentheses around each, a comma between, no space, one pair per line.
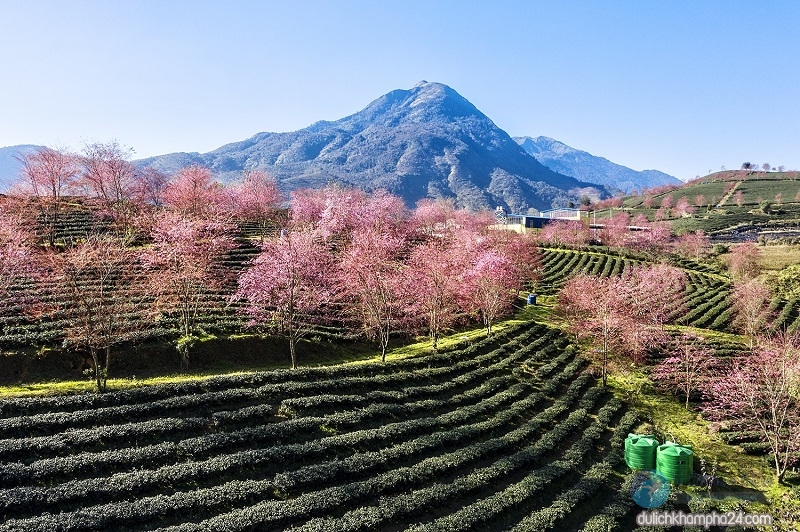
(507,433)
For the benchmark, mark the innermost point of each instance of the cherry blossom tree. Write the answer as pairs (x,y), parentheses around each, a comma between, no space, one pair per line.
(110,177)
(744,261)
(699,200)
(651,238)
(307,205)
(47,176)
(597,310)
(184,262)
(489,286)
(257,199)
(19,259)
(439,218)
(107,174)
(683,208)
(100,287)
(694,245)
(658,292)
(371,280)
(522,250)
(336,212)
(193,192)
(570,233)
(739,198)
(432,285)
(150,186)
(615,231)
(751,307)
(610,203)
(688,368)
(661,214)
(290,282)
(761,392)
(620,317)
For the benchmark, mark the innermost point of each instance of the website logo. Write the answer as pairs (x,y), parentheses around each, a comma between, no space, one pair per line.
(649,489)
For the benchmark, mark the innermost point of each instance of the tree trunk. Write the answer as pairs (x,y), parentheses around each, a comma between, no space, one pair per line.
(779,471)
(183,350)
(106,366)
(96,361)
(605,368)
(293,351)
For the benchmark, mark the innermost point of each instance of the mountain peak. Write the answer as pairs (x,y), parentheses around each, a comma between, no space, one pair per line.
(426,141)
(587,167)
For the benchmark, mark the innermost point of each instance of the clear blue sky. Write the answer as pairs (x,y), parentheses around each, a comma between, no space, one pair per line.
(681,86)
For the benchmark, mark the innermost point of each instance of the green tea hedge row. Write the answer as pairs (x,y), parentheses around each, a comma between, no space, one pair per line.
(107,462)
(275,514)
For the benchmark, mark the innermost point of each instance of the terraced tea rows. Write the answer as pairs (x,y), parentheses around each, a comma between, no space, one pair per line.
(508,432)
(705,304)
(215,315)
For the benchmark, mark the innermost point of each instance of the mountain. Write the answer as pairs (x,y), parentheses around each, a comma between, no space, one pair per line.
(427,141)
(582,165)
(10,165)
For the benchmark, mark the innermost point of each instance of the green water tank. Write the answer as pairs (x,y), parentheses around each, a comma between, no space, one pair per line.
(676,462)
(640,451)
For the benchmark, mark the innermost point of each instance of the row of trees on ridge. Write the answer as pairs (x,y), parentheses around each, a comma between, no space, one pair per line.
(336,256)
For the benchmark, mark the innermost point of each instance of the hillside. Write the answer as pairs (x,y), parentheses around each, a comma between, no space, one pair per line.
(428,141)
(730,206)
(582,165)
(456,440)
(508,431)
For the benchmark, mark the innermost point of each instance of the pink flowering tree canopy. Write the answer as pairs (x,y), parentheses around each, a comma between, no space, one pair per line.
(658,293)
(597,311)
(101,286)
(611,314)
(47,176)
(570,233)
(108,176)
(289,285)
(687,369)
(432,287)
(751,313)
(184,262)
(337,213)
(370,278)
(489,285)
(257,199)
(760,392)
(193,193)
(744,261)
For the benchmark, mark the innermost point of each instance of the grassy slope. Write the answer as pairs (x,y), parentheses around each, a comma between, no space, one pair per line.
(266,353)
(750,481)
(720,210)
